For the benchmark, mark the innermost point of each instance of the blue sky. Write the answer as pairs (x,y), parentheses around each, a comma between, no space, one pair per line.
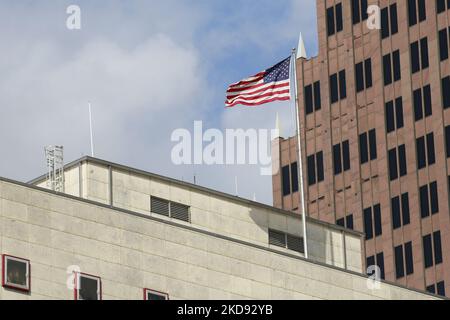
(148,67)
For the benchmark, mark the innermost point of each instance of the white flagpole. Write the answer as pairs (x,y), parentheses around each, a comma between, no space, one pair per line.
(300,158)
(90,127)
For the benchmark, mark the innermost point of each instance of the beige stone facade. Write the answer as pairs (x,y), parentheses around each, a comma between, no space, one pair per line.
(222,252)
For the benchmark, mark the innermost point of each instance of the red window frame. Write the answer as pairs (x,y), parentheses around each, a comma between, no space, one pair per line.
(5,283)
(86,275)
(159,293)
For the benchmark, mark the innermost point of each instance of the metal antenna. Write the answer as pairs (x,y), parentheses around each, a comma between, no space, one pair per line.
(90,126)
(236,185)
(55,168)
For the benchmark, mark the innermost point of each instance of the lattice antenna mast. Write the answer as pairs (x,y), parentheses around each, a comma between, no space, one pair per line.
(55,168)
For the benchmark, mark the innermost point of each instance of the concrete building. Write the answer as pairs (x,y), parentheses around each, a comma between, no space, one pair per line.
(120,233)
(375,129)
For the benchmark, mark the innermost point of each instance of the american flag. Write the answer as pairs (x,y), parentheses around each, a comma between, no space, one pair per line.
(270,85)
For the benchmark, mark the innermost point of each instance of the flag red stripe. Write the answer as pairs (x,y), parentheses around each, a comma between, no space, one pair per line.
(250,104)
(272,93)
(273,85)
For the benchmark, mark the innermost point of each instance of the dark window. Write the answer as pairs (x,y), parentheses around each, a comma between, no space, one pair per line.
(412,12)
(380,264)
(368,224)
(346,155)
(409,258)
(386,14)
(391,67)
(373,223)
(341,157)
(419,55)
(437,247)
(431,289)
(337,159)
(394,19)
(370,261)
(434,200)
(427,101)
(334,88)
(401,170)
(312,170)
(421,157)
(424,53)
(390,116)
(155,295)
(342,85)
(405,209)
(387,68)
(385,31)
(294,177)
(429,196)
(359,11)
(377,219)
(356,16)
(339,21)
(441,288)
(330,21)
(422,103)
(317,99)
(341,222)
(402,161)
(399,264)
(441,5)
(414,7)
(368,146)
(312,98)
(415,57)
(363,148)
(373,144)
(393,168)
(422,10)
(400,211)
(16,273)
(309,99)
(424,202)
(320,169)
(363,75)
(286,180)
(446,92)
(359,70)
(428,251)
(443,44)
(396,217)
(88,287)
(315,169)
(447,140)
(431,156)
(334,19)
(349,222)
(394,115)
(396,65)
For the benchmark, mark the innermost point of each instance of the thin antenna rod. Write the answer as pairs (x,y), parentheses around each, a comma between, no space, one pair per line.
(236,185)
(90,126)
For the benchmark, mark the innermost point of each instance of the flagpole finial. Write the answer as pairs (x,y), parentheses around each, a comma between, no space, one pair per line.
(301,51)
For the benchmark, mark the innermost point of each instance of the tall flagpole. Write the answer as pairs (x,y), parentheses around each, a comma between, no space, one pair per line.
(299,145)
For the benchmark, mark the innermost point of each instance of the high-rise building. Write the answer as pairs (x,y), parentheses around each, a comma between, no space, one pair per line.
(122,233)
(375,132)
